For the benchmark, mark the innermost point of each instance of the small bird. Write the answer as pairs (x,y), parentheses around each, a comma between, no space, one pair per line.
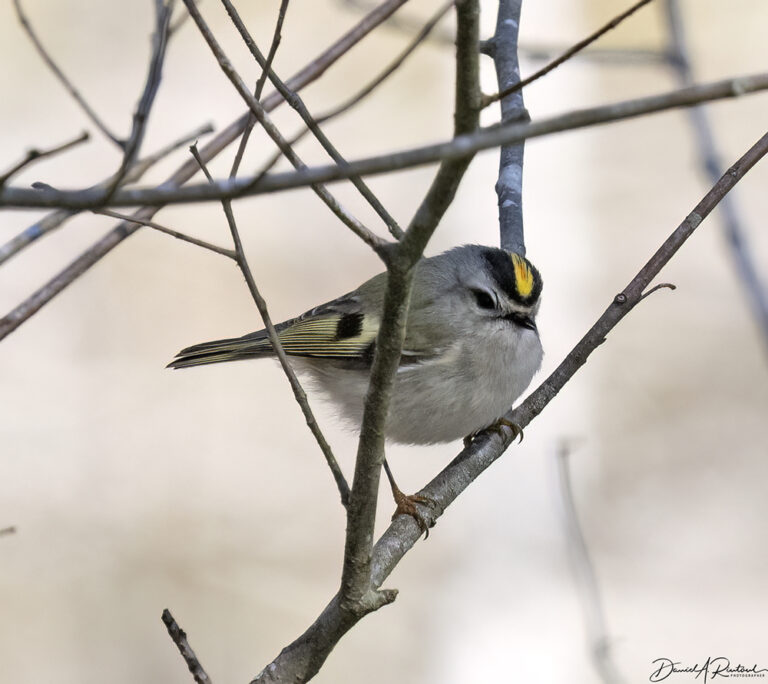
(471,345)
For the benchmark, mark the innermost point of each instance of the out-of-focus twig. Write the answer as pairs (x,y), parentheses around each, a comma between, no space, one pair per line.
(179,637)
(89,112)
(56,219)
(312,71)
(733,224)
(151,85)
(7,531)
(35,155)
(584,572)
(570,52)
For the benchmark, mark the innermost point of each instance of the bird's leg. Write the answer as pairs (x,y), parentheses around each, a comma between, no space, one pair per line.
(406,504)
(497,428)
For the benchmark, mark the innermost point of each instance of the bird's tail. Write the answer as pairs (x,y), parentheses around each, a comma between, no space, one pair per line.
(253,346)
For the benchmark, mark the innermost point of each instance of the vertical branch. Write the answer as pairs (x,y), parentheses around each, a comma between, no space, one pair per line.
(757,293)
(509,187)
(584,571)
(401,260)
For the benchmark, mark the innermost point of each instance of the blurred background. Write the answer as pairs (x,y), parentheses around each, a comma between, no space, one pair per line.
(134,488)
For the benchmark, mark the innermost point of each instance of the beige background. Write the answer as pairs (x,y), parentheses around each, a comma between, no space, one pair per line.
(135,488)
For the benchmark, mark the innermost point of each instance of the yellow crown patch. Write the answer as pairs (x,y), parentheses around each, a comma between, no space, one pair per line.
(523,275)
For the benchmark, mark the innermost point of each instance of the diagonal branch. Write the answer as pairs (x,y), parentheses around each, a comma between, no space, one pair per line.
(293,381)
(152,84)
(295,101)
(34,155)
(490,47)
(261,115)
(372,85)
(486,448)
(736,234)
(56,219)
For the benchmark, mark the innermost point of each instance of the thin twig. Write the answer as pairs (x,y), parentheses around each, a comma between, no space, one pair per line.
(89,112)
(7,531)
(56,219)
(509,186)
(276,38)
(733,224)
(179,637)
(295,101)
(169,231)
(151,86)
(660,286)
(35,155)
(370,87)
(570,52)
(370,238)
(261,304)
(102,247)
(457,148)
(598,640)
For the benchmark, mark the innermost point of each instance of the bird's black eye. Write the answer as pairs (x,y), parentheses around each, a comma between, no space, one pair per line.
(484,299)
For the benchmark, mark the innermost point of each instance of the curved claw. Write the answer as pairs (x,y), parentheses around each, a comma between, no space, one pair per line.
(406,505)
(496,427)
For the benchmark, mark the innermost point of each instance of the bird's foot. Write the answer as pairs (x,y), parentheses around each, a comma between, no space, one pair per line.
(406,505)
(497,427)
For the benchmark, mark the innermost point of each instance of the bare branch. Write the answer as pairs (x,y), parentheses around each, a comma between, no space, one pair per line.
(35,155)
(151,86)
(100,249)
(56,219)
(179,637)
(295,101)
(371,239)
(169,231)
(370,87)
(509,186)
(585,576)
(293,381)
(570,52)
(733,224)
(89,112)
(457,148)
(7,531)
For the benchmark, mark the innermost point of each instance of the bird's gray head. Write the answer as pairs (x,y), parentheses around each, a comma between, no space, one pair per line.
(489,283)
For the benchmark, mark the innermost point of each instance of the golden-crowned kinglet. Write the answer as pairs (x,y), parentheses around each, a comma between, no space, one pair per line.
(471,344)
